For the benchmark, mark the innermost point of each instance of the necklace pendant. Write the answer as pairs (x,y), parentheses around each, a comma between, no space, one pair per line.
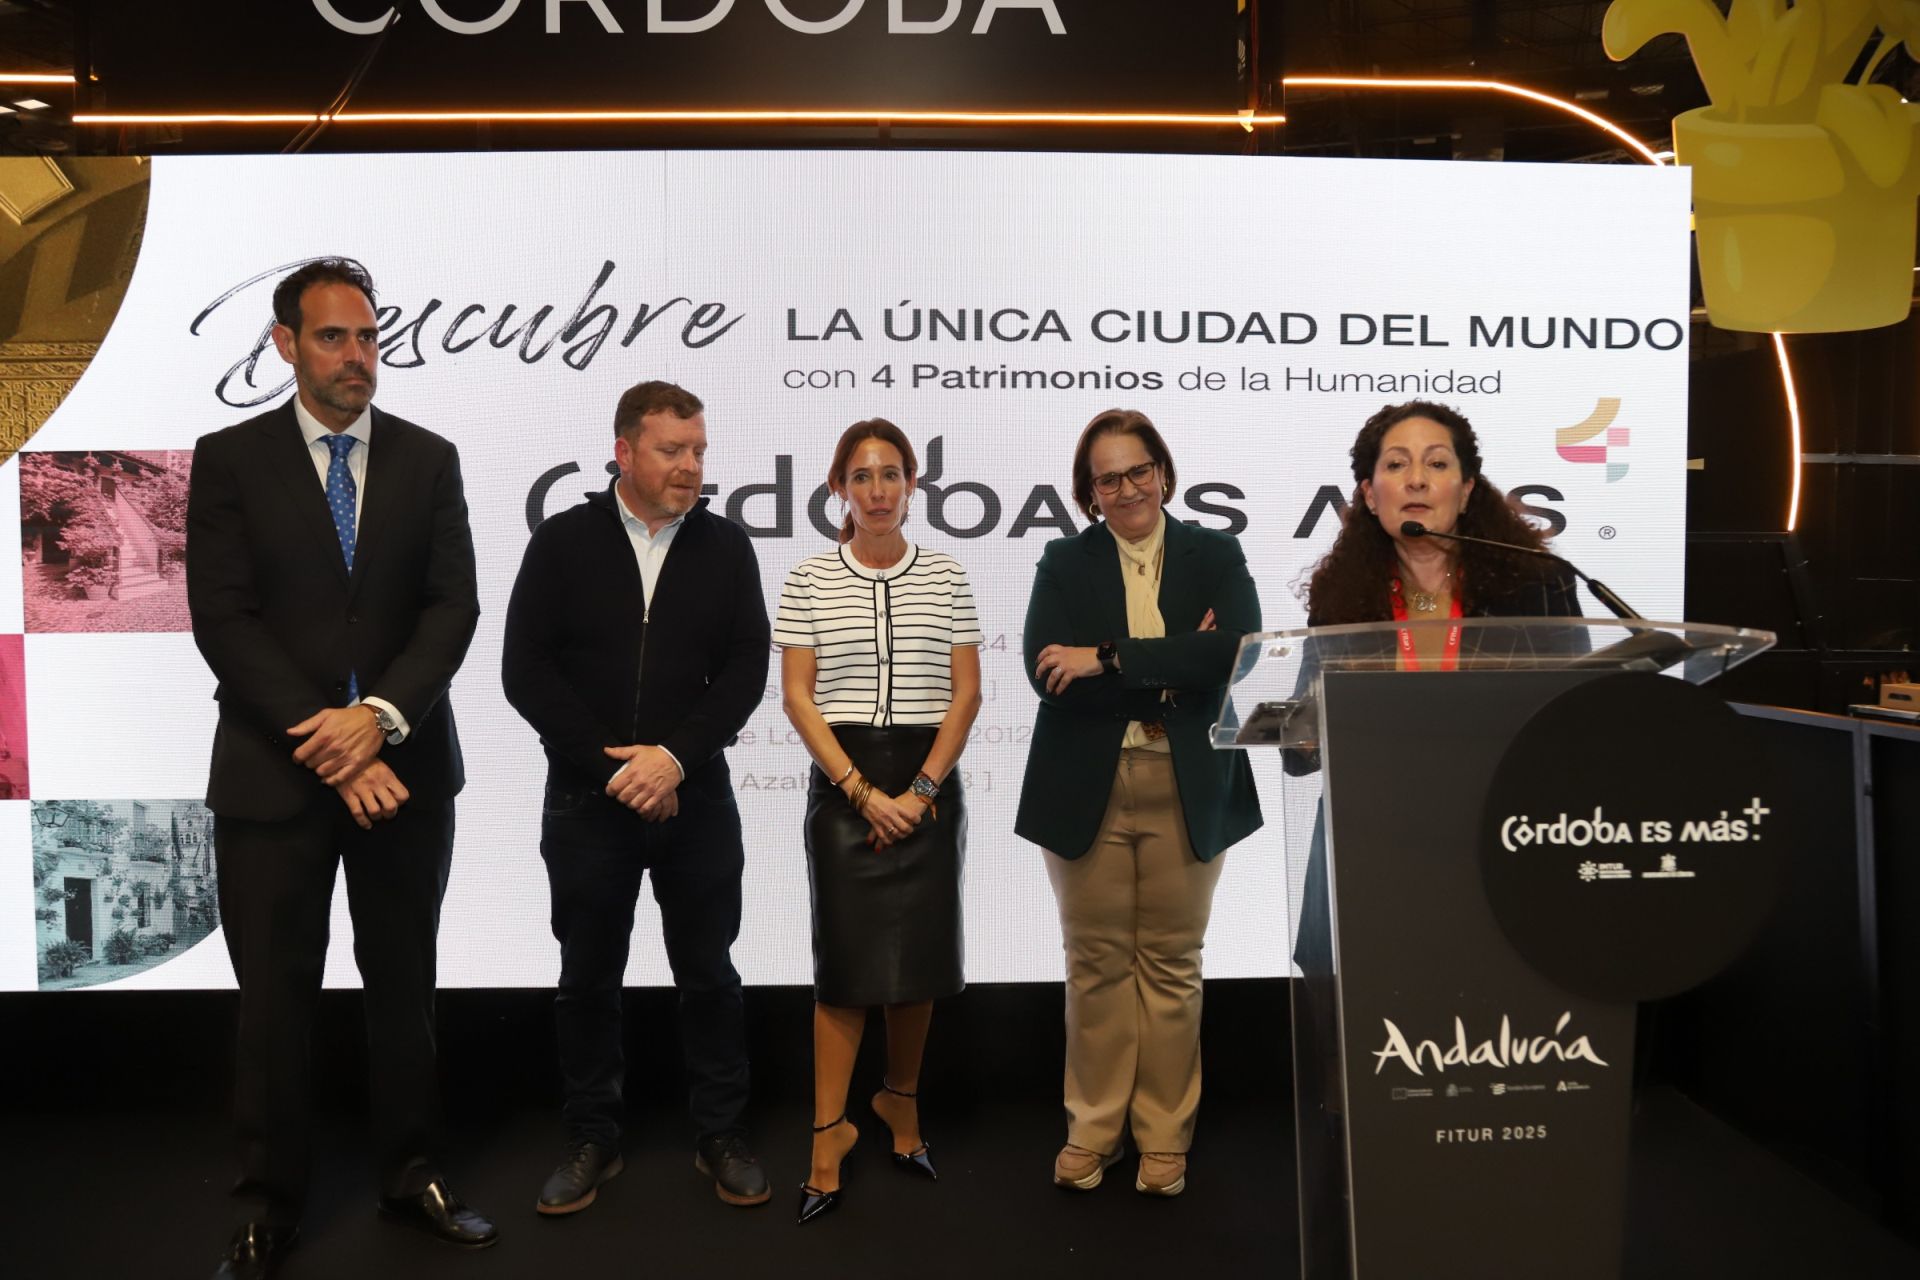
(1425,602)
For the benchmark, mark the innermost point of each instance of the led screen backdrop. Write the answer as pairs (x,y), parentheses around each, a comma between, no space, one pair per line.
(1256,309)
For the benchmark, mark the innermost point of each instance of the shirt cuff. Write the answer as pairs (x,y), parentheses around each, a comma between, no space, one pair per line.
(404,728)
(676,764)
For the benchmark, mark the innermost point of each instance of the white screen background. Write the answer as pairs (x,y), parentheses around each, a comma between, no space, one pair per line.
(125,717)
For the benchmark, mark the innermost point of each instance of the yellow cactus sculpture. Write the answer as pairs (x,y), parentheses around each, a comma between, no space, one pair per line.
(1804,186)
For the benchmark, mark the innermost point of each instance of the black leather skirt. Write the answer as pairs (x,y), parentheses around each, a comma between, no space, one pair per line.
(886,925)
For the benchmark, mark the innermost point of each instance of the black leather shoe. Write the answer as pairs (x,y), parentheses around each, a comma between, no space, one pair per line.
(920,1159)
(814,1202)
(573,1186)
(255,1251)
(438,1213)
(737,1175)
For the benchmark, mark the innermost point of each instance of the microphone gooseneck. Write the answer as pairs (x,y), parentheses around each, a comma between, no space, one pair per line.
(1601,591)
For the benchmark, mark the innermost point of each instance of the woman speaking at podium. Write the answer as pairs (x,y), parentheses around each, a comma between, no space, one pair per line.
(1130,637)
(1418,464)
(1416,470)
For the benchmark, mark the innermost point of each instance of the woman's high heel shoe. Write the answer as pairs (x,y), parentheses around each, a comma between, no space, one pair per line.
(919,1160)
(813,1201)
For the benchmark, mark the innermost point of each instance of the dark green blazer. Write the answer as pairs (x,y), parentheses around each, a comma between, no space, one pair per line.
(1079,599)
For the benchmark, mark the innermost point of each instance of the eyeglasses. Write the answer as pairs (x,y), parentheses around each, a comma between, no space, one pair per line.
(1137,476)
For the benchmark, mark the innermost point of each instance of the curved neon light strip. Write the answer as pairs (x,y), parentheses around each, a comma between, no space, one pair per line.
(1245,120)
(1793,425)
(1647,153)
(1486,86)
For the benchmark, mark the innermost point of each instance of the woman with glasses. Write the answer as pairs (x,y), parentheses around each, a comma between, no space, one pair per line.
(1130,638)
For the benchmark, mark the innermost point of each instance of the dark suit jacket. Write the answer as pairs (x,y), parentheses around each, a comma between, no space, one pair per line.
(1079,599)
(282,624)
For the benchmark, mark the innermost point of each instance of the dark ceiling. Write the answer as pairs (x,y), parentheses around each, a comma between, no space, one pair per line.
(1548,45)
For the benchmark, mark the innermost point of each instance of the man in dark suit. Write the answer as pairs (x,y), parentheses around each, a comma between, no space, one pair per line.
(636,644)
(330,575)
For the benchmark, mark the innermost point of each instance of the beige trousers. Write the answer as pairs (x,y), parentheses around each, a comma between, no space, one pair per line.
(1133,914)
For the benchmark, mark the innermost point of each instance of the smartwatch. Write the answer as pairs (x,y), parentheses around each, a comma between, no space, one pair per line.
(1109,654)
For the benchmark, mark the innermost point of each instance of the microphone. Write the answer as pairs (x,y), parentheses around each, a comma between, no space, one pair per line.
(1602,592)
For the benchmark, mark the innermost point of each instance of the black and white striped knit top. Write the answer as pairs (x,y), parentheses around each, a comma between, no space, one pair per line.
(883,639)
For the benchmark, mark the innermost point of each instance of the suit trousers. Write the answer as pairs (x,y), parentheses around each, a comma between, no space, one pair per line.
(597,852)
(1133,916)
(276,897)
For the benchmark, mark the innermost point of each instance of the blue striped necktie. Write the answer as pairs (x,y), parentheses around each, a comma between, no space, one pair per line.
(342,497)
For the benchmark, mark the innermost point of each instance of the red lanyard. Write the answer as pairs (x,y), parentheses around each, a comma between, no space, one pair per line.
(1450,658)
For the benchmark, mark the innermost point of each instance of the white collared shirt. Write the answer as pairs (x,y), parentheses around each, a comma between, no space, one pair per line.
(650,553)
(316,434)
(649,549)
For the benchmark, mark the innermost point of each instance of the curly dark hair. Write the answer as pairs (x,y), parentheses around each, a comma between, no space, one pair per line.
(1349,584)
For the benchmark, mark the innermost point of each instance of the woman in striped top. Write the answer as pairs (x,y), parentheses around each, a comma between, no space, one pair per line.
(881,677)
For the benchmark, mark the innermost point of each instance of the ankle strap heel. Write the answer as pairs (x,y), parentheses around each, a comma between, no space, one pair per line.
(918,1160)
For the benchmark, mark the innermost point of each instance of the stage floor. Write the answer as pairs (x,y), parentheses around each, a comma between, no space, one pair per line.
(100,1193)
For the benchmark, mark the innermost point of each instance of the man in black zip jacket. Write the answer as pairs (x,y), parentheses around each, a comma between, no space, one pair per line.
(636,644)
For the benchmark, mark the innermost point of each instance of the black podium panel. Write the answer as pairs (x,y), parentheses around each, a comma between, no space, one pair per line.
(1485,1108)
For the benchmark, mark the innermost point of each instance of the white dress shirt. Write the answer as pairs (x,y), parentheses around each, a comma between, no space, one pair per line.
(650,553)
(316,434)
(649,549)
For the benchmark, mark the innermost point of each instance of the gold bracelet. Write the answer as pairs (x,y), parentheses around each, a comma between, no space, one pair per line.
(842,779)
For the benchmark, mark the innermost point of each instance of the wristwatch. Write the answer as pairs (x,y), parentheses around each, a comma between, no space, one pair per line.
(924,787)
(1109,655)
(388,725)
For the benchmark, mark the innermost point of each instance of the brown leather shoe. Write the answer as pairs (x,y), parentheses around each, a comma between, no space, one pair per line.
(1078,1169)
(1162,1173)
